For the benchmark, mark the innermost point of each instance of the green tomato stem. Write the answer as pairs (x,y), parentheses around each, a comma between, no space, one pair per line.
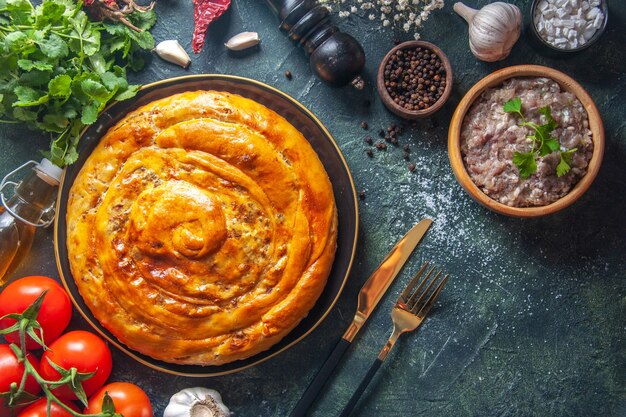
(45,387)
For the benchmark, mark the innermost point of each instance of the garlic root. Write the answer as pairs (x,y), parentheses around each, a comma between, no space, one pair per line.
(493,30)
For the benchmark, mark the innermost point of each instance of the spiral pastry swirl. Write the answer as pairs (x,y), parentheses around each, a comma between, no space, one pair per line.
(202,228)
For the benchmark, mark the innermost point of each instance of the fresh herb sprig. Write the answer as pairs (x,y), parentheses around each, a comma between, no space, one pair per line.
(60,69)
(542,142)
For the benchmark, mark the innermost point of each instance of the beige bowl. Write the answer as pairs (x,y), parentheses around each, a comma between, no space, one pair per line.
(493,80)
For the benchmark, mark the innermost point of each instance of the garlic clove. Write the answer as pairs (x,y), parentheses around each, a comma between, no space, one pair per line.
(243,41)
(493,30)
(173,52)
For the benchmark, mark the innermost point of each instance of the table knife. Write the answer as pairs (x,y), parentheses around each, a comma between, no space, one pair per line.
(369,296)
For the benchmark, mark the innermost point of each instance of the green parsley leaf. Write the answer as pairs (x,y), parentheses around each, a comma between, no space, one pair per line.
(95,90)
(514,106)
(562,168)
(129,92)
(54,123)
(28,65)
(28,97)
(566,158)
(60,86)
(20,11)
(550,122)
(17,41)
(112,82)
(143,21)
(88,38)
(89,114)
(53,47)
(24,115)
(48,13)
(548,146)
(525,162)
(35,78)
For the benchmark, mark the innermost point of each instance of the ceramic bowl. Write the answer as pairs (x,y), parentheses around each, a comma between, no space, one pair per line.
(560,51)
(495,79)
(396,108)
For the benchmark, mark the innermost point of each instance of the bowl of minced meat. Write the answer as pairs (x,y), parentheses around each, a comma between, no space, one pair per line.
(526,141)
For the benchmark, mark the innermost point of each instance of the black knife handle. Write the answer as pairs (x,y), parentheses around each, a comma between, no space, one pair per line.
(361,389)
(315,387)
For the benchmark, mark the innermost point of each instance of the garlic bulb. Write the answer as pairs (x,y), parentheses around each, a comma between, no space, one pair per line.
(493,30)
(173,52)
(196,402)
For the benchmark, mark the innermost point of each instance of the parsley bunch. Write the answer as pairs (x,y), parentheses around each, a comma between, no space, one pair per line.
(542,143)
(59,69)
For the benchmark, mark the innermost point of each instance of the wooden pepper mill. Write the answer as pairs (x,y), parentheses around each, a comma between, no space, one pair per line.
(335,57)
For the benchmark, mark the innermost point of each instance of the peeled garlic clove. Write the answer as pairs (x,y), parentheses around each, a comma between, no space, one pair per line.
(243,41)
(173,52)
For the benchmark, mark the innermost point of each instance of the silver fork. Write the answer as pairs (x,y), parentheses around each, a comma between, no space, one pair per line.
(407,314)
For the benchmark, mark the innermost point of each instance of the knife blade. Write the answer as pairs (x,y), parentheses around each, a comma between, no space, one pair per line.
(369,296)
(380,280)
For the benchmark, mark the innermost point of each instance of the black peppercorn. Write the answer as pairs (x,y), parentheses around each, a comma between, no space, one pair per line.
(364,125)
(412,167)
(288,75)
(415,78)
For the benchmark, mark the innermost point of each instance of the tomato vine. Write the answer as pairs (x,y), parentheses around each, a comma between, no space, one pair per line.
(26,323)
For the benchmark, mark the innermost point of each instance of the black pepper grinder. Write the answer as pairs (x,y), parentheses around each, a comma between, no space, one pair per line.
(335,57)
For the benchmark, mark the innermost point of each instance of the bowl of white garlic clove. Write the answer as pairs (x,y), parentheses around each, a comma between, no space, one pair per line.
(568,26)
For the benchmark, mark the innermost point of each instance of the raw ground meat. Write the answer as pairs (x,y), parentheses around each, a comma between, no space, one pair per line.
(490,137)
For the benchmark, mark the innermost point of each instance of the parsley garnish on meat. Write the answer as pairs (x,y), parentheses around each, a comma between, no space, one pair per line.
(60,69)
(542,143)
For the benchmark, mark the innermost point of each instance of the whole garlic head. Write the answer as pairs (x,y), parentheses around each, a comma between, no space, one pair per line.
(196,402)
(493,30)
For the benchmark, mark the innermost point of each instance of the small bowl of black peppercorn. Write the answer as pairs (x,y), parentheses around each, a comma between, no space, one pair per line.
(414,79)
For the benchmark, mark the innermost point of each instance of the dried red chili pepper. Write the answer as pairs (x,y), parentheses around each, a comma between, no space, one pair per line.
(205,12)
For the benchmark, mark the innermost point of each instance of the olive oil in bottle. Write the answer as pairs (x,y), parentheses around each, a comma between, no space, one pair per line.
(30,206)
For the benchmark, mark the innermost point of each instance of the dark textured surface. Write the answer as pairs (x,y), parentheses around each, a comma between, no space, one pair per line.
(532,321)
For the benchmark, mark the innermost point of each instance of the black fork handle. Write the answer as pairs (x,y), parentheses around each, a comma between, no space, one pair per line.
(315,387)
(361,389)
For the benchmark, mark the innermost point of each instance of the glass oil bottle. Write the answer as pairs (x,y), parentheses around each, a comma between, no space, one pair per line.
(31,206)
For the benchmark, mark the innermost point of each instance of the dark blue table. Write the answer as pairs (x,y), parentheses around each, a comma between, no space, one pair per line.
(532,321)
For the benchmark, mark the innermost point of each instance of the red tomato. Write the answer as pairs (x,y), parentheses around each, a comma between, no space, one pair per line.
(81,350)
(129,400)
(53,317)
(12,371)
(40,409)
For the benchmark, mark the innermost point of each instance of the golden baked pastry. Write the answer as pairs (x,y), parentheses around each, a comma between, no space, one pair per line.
(202,228)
